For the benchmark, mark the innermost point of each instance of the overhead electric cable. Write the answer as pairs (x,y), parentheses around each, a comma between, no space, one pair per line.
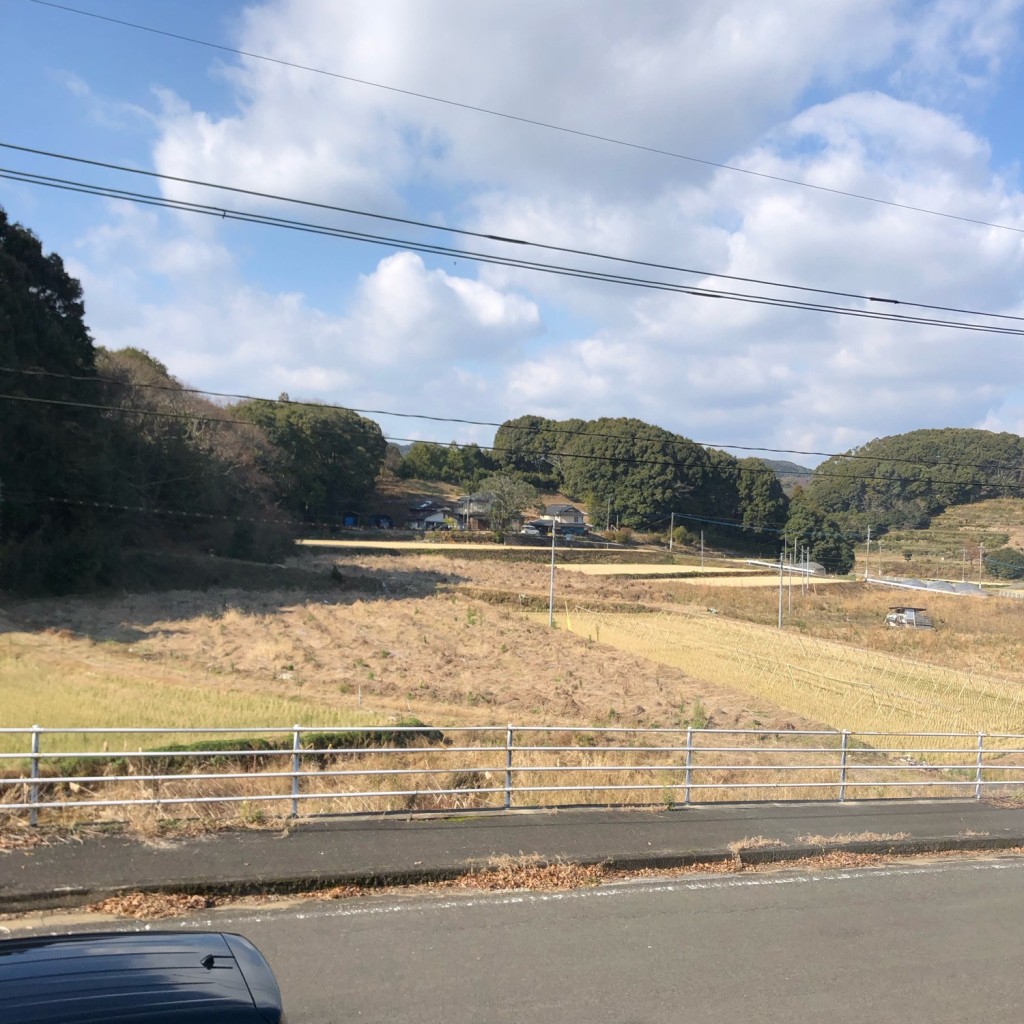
(534,122)
(182,389)
(483,235)
(581,456)
(581,273)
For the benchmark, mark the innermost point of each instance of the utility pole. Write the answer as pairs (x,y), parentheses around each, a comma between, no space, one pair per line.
(551,589)
(781,561)
(671,529)
(963,566)
(702,549)
(981,562)
(608,517)
(867,557)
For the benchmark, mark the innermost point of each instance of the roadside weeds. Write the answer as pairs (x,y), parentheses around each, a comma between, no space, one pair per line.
(532,874)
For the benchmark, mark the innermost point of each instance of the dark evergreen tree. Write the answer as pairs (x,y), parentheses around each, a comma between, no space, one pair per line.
(50,463)
(323,461)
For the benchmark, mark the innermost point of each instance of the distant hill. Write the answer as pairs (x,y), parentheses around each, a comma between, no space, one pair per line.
(782,468)
(789,474)
(903,481)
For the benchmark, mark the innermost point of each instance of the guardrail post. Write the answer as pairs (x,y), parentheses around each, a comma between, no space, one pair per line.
(296,767)
(844,749)
(33,790)
(689,765)
(508,767)
(977,781)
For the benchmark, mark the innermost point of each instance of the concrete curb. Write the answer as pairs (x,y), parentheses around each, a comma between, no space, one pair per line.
(77,896)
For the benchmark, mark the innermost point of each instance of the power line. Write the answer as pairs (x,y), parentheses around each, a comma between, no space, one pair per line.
(486,236)
(534,122)
(581,456)
(224,213)
(679,441)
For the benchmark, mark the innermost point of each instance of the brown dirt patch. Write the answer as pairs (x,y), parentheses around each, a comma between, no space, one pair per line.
(418,649)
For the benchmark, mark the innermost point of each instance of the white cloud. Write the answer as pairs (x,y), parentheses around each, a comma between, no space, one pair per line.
(411,331)
(730,82)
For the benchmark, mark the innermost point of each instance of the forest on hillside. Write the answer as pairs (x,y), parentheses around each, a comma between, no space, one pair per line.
(103,452)
(904,480)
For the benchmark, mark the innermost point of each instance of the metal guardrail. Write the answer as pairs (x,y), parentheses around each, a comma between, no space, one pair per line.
(487,767)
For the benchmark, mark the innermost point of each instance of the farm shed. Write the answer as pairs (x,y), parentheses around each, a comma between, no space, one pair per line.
(910,618)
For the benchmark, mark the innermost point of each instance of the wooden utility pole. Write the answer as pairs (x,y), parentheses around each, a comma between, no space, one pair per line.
(671,529)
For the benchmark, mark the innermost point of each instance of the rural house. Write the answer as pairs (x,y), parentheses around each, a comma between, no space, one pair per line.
(473,511)
(565,514)
(568,519)
(428,515)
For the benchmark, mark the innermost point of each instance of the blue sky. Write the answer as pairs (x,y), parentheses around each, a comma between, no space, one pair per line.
(915,103)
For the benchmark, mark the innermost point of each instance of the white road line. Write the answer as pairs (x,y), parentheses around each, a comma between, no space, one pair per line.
(421,904)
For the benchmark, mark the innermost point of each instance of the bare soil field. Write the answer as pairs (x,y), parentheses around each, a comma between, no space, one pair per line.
(414,641)
(439,638)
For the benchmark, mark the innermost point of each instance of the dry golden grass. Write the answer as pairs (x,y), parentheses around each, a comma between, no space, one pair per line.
(853,837)
(640,569)
(396,545)
(766,582)
(848,687)
(168,659)
(984,635)
(421,647)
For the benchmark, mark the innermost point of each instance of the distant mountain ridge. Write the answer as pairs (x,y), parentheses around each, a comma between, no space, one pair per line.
(780,467)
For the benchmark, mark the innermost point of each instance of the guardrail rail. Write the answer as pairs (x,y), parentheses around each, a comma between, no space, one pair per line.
(51,773)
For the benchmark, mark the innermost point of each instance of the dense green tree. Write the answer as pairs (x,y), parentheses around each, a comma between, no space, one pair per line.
(809,527)
(643,473)
(423,461)
(762,501)
(1005,563)
(323,461)
(510,496)
(191,456)
(462,464)
(50,464)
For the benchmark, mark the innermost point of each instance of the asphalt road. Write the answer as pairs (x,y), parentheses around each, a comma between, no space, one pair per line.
(934,942)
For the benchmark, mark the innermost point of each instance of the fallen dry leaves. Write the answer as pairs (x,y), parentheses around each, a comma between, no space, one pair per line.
(528,874)
(149,906)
